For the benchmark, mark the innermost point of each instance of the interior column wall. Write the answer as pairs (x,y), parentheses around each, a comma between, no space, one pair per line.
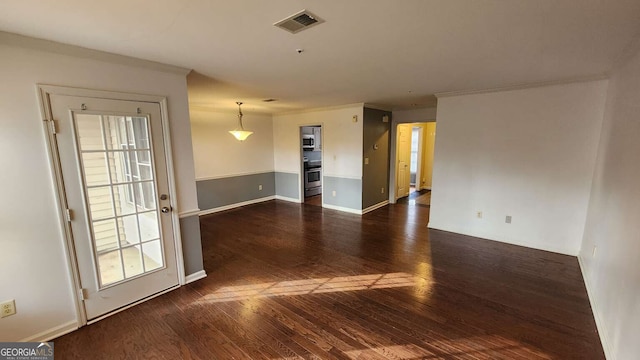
(609,253)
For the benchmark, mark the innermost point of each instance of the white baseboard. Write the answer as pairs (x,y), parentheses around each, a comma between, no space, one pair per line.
(53,333)
(233,206)
(554,249)
(375,207)
(188,213)
(195,276)
(606,345)
(290,199)
(344,209)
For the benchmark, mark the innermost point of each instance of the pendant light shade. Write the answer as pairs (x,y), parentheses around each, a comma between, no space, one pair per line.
(240,133)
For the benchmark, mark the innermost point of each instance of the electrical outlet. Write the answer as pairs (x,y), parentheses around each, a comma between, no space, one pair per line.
(259,187)
(381,190)
(507,219)
(479,214)
(593,252)
(333,193)
(8,308)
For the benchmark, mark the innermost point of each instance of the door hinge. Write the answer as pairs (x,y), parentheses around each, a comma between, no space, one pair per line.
(69,215)
(52,125)
(82,294)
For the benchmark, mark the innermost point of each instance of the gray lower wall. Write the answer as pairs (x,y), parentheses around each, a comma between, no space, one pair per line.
(215,193)
(191,244)
(287,185)
(348,192)
(375,172)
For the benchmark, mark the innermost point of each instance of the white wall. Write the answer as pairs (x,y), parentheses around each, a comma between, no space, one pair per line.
(613,274)
(414,115)
(218,154)
(32,259)
(527,153)
(341,140)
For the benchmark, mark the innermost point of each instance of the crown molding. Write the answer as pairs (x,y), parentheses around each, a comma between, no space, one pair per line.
(597,77)
(378,107)
(326,108)
(28,42)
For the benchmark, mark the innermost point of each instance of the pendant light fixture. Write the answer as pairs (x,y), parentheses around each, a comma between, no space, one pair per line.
(240,133)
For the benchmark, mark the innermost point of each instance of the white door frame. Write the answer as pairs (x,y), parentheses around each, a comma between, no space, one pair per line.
(44,92)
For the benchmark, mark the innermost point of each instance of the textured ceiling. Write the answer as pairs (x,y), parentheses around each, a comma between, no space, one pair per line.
(392,53)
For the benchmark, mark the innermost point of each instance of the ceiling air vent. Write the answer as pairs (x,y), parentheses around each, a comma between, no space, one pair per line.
(299,21)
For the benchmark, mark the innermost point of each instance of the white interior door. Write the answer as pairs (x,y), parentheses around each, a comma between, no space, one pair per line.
(113,165)
(404,158)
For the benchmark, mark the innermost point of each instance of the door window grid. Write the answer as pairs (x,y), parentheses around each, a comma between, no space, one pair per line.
(138,191)
(137,137)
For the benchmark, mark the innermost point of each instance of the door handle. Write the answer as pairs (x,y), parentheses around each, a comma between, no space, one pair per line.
(165,210)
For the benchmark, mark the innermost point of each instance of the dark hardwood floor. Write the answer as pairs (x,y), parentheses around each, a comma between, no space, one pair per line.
(315,200)
(290,281)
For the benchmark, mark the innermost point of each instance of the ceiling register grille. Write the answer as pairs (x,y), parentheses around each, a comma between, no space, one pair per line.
(299,21)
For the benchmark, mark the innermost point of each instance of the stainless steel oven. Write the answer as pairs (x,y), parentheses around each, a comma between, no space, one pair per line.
(312,181)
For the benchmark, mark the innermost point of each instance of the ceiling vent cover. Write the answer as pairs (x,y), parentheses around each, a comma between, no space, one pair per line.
(299,21)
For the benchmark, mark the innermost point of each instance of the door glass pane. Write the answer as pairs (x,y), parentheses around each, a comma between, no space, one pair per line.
(140,134)
(132,261)
(149,225)
(90,132)
(115,129)
(148,200)
(106,235)
(152,252)
(100,204)
(95,168)
(118,180)
(128,227)
(122,195)
(110,266)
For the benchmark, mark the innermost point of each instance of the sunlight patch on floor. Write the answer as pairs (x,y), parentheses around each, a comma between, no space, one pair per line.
(312,286)
(486,346)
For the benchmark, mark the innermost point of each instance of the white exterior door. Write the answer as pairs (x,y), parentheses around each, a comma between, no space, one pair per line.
(113,165)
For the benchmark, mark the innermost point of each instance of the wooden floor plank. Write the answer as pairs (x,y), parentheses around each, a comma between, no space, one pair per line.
(290,281)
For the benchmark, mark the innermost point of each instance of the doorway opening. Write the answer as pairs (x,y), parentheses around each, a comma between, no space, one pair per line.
(415,144)
(311,164)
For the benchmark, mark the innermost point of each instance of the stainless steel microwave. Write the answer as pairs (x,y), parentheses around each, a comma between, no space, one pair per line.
(308,142)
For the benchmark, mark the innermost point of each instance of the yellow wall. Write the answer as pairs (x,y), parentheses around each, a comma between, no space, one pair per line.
(429,138)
